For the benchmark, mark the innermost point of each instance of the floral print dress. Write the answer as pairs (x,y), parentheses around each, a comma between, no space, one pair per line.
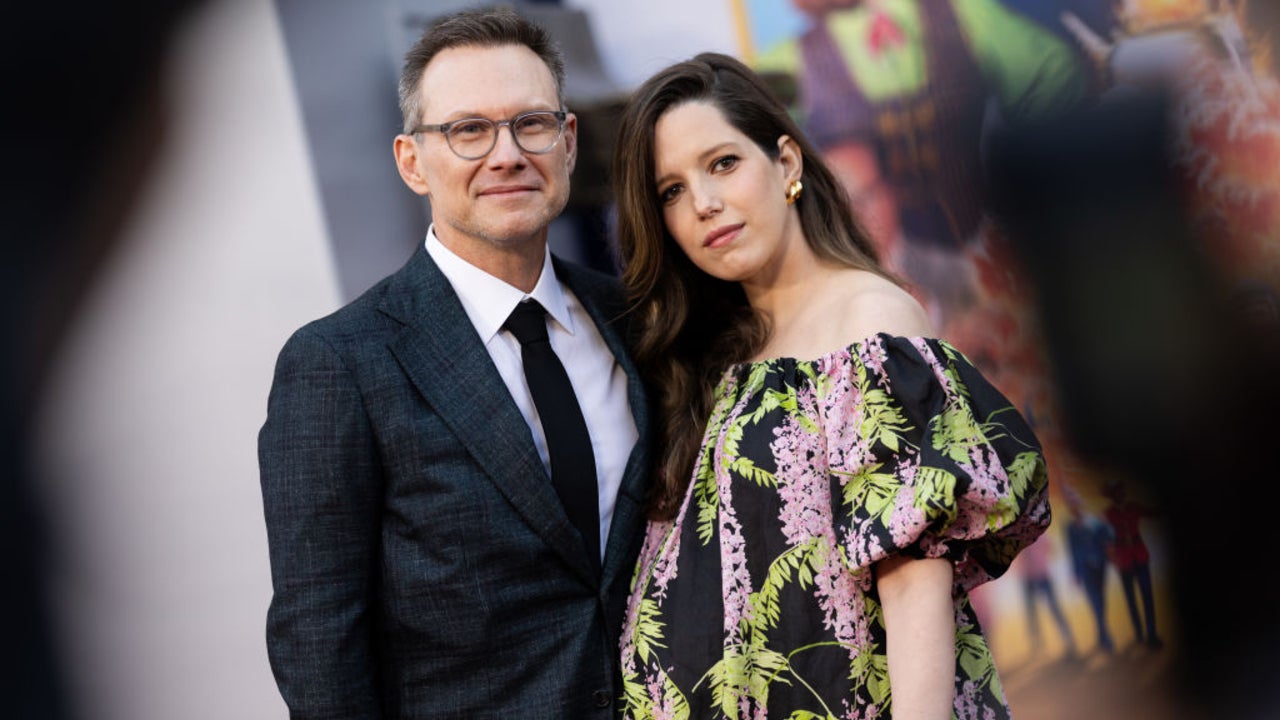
(758,600)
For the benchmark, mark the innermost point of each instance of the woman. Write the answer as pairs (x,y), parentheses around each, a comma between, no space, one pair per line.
(834,479)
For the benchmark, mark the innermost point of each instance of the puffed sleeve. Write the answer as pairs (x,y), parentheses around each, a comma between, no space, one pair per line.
(930,460)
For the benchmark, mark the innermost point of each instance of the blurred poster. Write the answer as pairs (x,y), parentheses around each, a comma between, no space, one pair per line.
(901,97)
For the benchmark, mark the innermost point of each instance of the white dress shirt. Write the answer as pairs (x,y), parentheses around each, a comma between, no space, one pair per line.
(597,379)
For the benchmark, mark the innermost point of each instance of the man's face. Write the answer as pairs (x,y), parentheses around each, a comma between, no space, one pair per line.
(506,199)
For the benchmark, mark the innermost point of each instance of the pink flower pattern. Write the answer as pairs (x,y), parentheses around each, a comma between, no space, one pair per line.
(944,476)
(734,575)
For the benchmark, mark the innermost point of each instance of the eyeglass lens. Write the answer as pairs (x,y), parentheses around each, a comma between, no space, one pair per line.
(535,132)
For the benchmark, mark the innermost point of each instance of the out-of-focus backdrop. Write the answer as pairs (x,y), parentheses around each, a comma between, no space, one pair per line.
(1078,190)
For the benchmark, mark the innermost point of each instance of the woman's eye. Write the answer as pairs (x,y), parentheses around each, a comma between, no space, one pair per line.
(669,194)
(725,163)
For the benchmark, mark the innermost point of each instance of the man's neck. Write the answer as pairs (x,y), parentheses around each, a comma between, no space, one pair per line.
(517,262)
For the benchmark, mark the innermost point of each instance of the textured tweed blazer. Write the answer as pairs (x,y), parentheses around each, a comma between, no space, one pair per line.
(422,564)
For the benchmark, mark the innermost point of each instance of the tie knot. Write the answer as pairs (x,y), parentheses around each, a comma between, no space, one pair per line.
(528,322)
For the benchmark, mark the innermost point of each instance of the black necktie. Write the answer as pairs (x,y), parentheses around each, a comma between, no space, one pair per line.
(573,465)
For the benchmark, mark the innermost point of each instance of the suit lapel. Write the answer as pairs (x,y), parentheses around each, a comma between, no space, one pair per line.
(605,306)
(442,355)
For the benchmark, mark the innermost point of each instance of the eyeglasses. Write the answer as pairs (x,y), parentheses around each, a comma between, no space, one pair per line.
(535,132)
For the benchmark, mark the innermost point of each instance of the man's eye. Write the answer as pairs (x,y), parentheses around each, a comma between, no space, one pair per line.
(537,123)
(469,127)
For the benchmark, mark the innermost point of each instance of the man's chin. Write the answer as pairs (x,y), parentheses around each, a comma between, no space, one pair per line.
(527,222)
(517,231)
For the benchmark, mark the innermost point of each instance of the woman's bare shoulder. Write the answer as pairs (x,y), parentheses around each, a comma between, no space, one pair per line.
(878,305)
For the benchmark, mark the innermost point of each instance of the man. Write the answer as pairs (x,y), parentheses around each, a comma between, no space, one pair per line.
(424,562)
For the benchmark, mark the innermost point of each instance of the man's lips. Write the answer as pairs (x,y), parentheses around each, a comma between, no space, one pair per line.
(721,235)
(500,190)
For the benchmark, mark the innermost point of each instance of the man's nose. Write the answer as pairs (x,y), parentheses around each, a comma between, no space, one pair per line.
(505,150)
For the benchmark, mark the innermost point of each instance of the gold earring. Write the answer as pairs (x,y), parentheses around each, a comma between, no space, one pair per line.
(793,191)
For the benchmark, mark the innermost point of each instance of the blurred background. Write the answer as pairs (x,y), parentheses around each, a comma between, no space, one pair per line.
(1084,193)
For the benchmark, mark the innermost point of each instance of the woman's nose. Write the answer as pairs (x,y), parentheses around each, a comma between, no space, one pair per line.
(706,203)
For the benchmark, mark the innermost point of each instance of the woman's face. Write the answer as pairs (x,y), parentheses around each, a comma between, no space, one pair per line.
(722,198)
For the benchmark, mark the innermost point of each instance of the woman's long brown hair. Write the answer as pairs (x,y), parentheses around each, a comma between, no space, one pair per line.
(692,326)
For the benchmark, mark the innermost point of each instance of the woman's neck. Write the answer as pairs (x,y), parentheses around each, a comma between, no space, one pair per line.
(785,294)
(816,314)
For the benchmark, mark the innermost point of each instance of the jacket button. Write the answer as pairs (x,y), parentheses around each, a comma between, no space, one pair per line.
(601,698)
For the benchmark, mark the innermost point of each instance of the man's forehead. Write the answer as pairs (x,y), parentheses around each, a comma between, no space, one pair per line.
(471,78)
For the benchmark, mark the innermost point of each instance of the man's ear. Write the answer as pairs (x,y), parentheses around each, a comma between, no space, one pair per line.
(407,152)
(570,140)
(790,158)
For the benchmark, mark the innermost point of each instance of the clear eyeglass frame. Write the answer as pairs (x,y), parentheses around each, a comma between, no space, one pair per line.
(532,131)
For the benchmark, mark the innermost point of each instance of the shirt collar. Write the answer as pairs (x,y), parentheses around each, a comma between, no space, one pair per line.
(488,300)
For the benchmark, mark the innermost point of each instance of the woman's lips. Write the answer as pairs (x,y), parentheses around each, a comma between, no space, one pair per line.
(721,236)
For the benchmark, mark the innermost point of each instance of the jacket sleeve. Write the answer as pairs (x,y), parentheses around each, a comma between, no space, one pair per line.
(321,489)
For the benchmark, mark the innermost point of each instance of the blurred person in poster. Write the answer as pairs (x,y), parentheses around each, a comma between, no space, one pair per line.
(1132,560)
(1088,542)
(453,464)
(835,476)
(897,95)
(1034,572)
(65,207)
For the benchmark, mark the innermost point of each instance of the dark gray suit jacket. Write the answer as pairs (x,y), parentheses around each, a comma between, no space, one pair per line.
(423,566)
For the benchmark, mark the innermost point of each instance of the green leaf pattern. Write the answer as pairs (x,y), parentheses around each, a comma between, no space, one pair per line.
(811,471)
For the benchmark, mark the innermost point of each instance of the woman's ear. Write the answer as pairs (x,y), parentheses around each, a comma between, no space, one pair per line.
(790,158)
